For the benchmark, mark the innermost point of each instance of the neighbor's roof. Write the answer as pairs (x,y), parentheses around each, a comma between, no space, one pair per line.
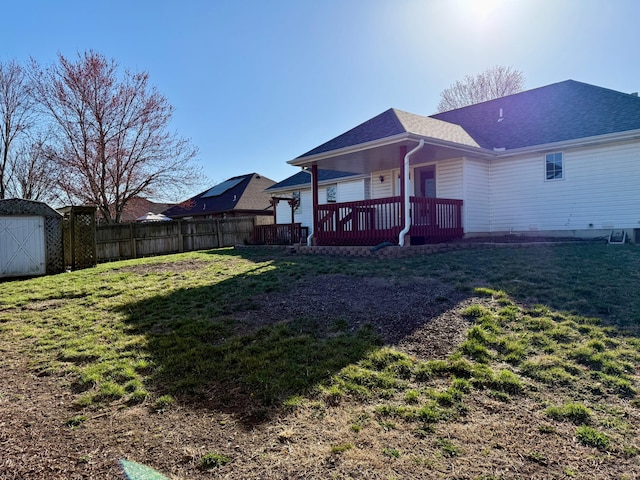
(394,122)
(563,111)
(139,206)
(241,193)
(303,178)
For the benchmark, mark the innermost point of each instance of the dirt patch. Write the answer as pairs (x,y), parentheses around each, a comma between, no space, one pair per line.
(168,267)
(501,439)
(421,314)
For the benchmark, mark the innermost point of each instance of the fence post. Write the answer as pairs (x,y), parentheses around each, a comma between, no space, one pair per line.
(219,233)
(180,237)
(133,241)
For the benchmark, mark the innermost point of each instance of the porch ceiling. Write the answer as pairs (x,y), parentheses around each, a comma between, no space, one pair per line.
(383,157)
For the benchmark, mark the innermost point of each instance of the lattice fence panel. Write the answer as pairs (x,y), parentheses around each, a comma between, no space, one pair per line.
(54,244)
(79,229)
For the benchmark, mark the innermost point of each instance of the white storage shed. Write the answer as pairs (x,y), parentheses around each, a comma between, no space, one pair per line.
(30,239)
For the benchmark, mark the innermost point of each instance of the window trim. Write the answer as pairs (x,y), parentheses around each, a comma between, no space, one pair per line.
(333,198)
(297,195)
(554,171)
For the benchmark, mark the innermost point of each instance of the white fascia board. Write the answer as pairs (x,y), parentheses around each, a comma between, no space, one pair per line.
(576,142)
(401,137)
(304,161)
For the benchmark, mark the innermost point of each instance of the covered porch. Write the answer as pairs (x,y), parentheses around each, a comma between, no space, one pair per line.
(419,162)
(372,222)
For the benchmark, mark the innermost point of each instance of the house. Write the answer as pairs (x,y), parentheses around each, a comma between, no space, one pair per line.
(559,160)
(236,197)
(139,206)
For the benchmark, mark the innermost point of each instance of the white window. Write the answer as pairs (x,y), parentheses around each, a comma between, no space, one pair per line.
(296,200)
(554,166)
(332,193)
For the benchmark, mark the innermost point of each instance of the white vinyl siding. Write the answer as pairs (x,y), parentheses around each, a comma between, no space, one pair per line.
(351,191)
(283,212)
(382,189)
(346,192)
(476,197)
(449,179)
(599,191)
(304,215)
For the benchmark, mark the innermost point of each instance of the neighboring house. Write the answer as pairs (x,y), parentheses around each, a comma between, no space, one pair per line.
(240,196)
(139,206)
(560,160)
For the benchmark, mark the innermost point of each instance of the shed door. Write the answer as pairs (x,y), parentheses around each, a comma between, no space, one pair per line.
(22,249)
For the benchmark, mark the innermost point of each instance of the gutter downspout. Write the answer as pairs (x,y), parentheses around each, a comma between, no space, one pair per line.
(407,206)
(313,202)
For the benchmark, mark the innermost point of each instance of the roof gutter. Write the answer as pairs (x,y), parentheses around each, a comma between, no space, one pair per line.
(407,219)
(573,143)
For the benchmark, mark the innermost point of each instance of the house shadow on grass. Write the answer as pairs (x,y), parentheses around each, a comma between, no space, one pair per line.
(247,342)
(207,358)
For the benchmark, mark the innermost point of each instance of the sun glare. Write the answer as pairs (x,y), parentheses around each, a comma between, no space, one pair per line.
(480,14)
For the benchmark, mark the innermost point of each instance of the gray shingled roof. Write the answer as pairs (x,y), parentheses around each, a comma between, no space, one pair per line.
(394,122)
(568,110)
(562,111)
(303,178)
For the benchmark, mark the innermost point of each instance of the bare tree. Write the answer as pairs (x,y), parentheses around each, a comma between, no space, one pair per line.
(16,115)
(33,176)
(111,139)
(494,82)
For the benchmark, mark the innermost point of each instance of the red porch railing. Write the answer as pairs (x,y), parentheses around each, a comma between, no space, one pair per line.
(284,234)
(371,222)
(435,220)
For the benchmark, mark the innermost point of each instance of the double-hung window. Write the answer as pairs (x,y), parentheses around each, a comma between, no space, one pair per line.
(332,193)
(296,201)
(554,166)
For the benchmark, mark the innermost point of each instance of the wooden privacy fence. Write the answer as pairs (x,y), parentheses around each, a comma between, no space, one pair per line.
(135,240)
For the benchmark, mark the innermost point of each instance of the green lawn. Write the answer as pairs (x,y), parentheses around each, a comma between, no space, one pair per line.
(553,324)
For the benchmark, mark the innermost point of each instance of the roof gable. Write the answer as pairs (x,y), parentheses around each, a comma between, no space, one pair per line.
(562,111)
(394,122)
(381,126)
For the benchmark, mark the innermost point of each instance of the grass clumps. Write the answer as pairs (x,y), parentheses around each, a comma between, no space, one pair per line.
(592,438)
(343,447)
(214,460)
(448,448)
(573,412)
(391,452)
(76,421)
(163,403)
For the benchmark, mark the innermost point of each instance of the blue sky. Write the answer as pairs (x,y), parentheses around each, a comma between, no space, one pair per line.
(255,83)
